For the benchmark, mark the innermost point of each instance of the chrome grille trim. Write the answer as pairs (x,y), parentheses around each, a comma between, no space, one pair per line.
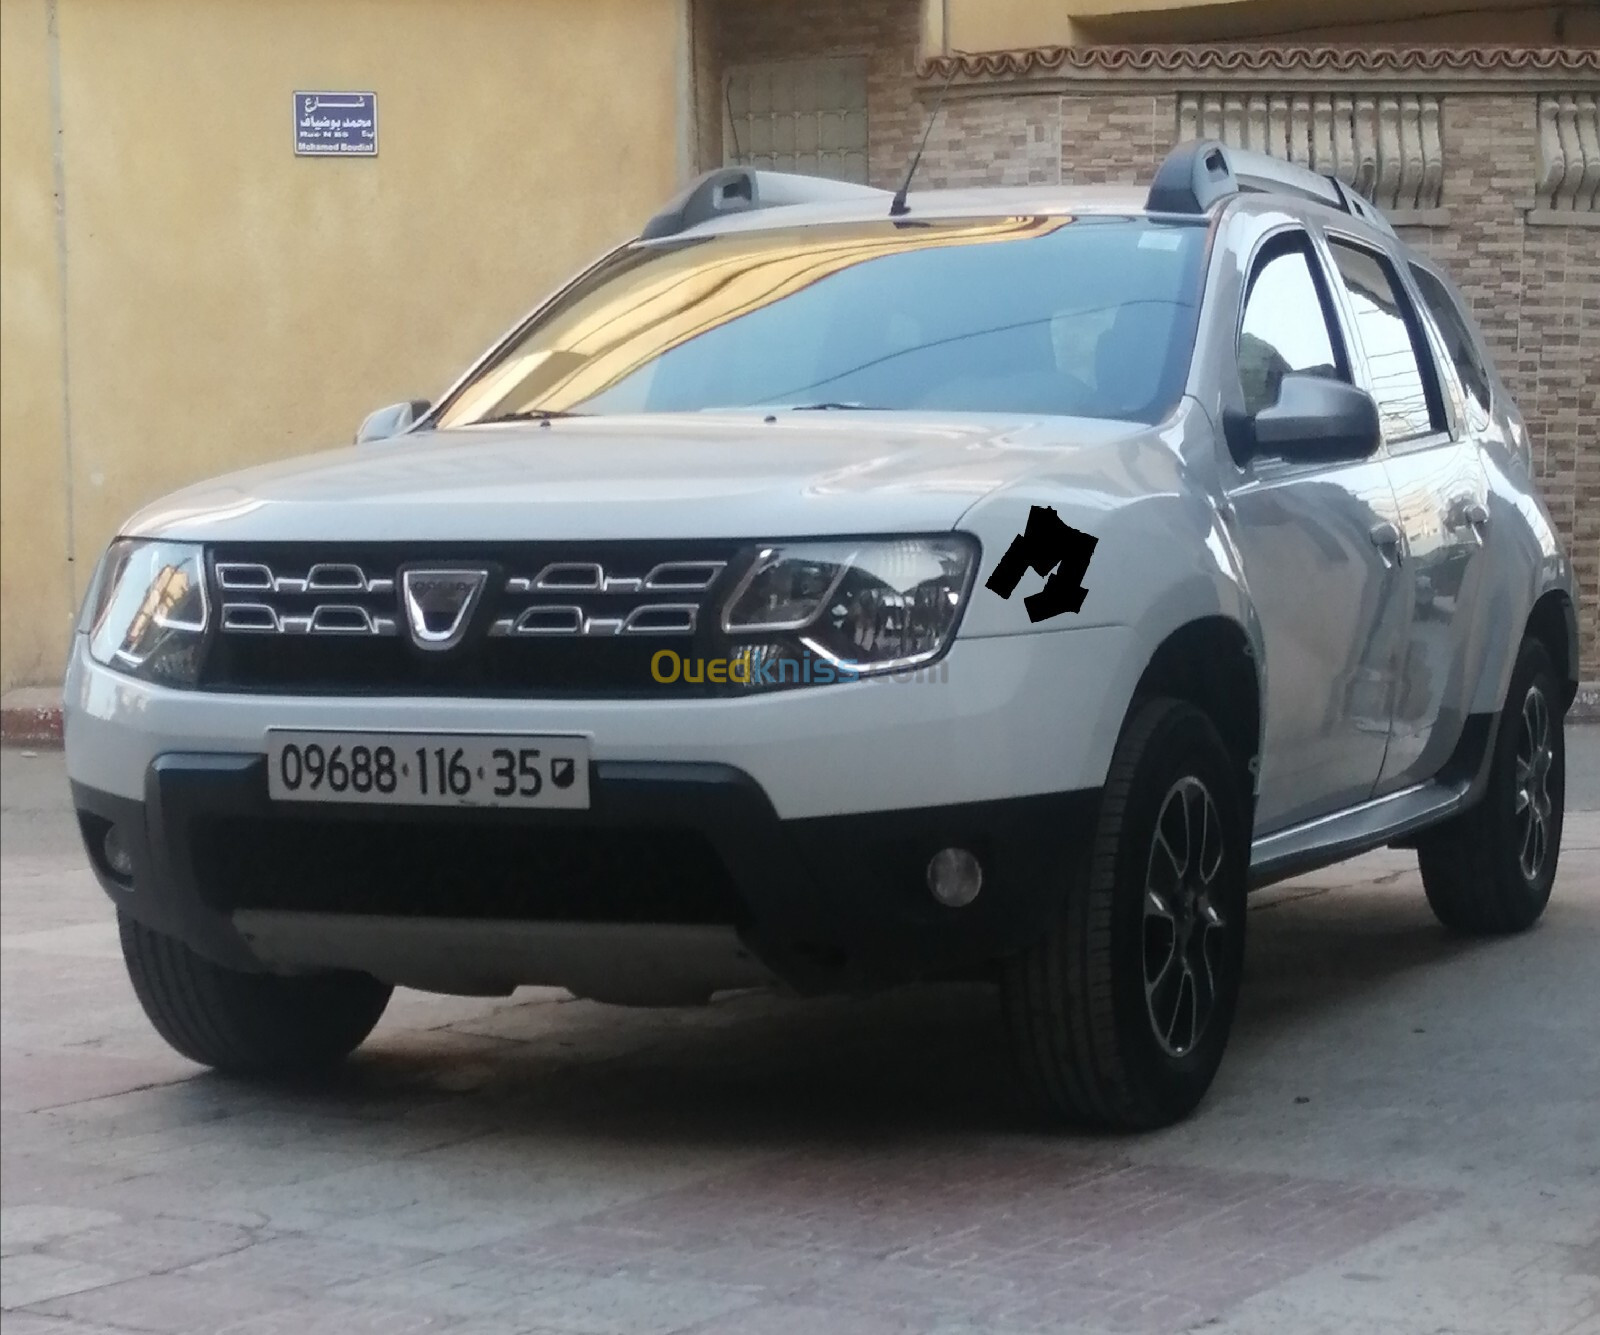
(244,576)
(680,619)
(324,619)
(342,619)
(571,577)
(323,577)
(336,577)
(591,577)
(531,623)
(300,595)
(256,618)
(660,580)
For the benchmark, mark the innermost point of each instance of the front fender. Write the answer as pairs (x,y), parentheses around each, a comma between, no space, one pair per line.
(1164,556)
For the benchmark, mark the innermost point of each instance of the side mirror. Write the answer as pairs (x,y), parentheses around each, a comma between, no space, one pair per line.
(1315,420)
(391,421)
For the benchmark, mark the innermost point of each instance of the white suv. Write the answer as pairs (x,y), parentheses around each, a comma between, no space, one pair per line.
(837,591)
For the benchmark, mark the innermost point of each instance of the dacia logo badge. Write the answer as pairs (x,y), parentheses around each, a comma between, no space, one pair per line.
(439,604)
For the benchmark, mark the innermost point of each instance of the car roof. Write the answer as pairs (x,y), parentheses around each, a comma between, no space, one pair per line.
(1198,179)
(932,205)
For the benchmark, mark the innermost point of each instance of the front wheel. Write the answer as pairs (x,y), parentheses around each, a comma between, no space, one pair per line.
(1490,870)
(1121,1013)
(248,1023)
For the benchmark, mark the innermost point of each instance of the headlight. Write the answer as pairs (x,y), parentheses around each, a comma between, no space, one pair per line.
(146,614)
(874,606)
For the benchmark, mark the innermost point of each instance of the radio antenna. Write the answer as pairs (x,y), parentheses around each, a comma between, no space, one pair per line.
(733,125)
(898,206)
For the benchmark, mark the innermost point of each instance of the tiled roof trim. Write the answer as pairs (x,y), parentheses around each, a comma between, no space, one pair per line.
(1166,63)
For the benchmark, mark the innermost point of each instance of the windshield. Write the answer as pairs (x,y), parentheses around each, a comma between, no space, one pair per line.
(1085,316)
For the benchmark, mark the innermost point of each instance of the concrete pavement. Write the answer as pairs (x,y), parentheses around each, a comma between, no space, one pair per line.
(1404,1138)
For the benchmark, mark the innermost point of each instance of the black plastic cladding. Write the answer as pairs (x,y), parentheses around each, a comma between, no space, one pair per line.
(1198,173)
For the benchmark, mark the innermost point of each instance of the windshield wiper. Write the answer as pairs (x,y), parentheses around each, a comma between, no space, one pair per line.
(531,415)
(830,406)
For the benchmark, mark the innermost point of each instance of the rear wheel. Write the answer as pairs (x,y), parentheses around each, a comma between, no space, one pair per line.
(1489,871)
(1121,1013)
(248,1023)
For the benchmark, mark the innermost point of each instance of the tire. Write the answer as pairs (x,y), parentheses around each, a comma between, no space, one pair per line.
(1083,1023)
(1489,871)
(248,1023)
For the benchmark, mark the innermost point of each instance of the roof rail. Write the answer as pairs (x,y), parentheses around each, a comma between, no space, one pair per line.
(1199,172)
(1191,178)
(1364,208)
(740,189)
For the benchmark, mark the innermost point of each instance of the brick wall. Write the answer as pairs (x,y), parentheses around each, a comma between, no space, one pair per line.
(1535,290)
(1534,287)
(885,31)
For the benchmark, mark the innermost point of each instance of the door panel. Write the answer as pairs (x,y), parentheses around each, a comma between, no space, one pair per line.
(1333,617)
(1320,545)
(1442,493)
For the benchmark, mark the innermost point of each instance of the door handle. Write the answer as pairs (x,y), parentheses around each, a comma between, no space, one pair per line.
(1386,538)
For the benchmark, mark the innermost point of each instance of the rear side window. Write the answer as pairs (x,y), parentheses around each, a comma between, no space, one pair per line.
(1458,340)
(1285,325)
(1391,337)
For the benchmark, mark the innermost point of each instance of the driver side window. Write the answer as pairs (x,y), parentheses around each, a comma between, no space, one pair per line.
(1285,325)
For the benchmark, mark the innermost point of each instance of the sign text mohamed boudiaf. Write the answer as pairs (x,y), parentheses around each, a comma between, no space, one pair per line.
(343,125)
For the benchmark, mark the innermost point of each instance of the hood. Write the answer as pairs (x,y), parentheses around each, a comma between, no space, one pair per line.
(665,476)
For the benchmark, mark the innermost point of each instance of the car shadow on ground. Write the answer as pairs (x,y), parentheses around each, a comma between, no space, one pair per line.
(1314,948)
(768,1071)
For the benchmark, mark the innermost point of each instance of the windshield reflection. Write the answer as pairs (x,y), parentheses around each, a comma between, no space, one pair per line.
(1019,314)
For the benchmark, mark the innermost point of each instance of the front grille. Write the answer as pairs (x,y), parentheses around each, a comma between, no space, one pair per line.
(547,619)
(478,868)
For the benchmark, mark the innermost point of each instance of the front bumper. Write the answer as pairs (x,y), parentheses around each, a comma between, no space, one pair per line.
(997,717)
(803,819)
(822,902)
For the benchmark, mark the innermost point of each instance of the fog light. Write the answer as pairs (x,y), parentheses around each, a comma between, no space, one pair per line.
(118,859)
(954,877)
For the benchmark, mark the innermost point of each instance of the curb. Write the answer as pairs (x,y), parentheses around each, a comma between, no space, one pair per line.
(31,715)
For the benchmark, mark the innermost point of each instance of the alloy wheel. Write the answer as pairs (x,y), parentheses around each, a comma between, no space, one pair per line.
(1184,927)
(1534,808)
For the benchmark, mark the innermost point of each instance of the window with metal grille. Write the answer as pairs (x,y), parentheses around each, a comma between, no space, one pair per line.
(799,116)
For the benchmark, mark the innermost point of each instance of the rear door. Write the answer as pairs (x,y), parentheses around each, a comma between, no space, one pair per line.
(1319,544)
(1441,489)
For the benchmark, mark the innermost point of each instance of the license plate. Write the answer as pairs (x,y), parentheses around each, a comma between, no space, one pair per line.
(428,769)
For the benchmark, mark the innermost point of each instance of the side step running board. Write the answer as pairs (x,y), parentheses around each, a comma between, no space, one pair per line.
(1330,839)
(1383,820)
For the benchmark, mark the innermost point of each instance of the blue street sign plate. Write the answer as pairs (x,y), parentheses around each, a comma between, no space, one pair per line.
(336,125)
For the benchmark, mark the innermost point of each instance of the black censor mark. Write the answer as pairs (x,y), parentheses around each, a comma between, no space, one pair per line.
(1048,543)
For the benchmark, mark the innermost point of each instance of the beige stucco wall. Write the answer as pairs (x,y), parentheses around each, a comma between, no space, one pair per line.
(34,584)
(228,303)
